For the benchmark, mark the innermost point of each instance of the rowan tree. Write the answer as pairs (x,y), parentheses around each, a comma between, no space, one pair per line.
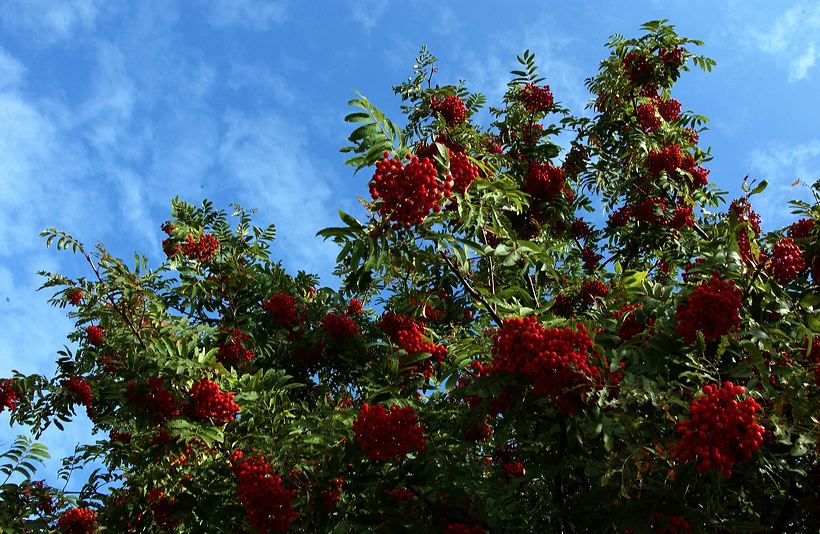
(492,361)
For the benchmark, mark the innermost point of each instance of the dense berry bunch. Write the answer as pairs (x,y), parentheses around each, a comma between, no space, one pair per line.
(632,324)
(786,261)
(79,389)
(648,118)
(592,290)
(74,295)
(355,307)
(650,210)
(620,217)
(461,528)
(638,68)
(590,258)
(77,521)
(667,160)
(514,470)
(563,305)
(721,431)
(162,507)
(463,171)
(387,435)
(409,335)
(332,495)
(156,401)
(452,108)
(682,217)
(202,250)
(8,395)
(402,495)
(171,248)
(544,181)
(233,351)
(339,327)
(744,213)
(537,98)
(672,59)
(282,308)
(580,229)
(669,524)
(268,506)
(407,193)
(801,229)
(669,109)
(210,402)
(555,361)
(95,335)
(713,308)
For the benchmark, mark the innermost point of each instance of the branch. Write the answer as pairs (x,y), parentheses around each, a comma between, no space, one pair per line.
(471,290)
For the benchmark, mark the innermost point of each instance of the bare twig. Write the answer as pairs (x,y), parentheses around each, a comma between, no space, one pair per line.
(471,290)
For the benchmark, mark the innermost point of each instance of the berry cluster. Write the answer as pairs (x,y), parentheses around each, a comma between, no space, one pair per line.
(388,436)
(355,307)
(209,402)
(463,171)
(162,507)
(592,290)
(282,308)
(682,217)
(580,229)
(590,258)
(339,327)
(620,217)
(409,335)
(669,109)
(672,59)
(536,98)
(667,160)
(802,229)
(408,193)
(712,308)
(77,521)
(544,181)
(8,395)
(157,401)
(637,67)
(555,361)
(202,250)
(402,495)
(95,335)
(786,261)
(632,324)
(452,108)
(650,210)
(74,295)
(79,389)
(514,470)
(268,506)
(332,495)
(669,524)
(721,430)
(648,117)
(744,213)
(233,351)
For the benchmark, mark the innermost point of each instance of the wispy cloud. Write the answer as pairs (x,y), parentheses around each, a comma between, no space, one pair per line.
(368,13)
(782,165)
(793,39)
(47,22)
(254,14)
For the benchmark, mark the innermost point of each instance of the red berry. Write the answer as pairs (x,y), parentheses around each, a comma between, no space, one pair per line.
(79,388)
(202,250)
(282,308)
(208,402)
(8,395)
(77,521)
(535,98)
(786,261)
(95,335)
(713,308)
(452,108)
(387,435)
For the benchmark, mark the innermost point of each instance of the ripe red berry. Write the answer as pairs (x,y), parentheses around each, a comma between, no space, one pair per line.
(339,327)
(385,435)
(721,430)
(744,213)
(74,295)
(79,389)
(713,308)
(208,402)
(77,521)
(407,193)
(202,250)
(282,308)
(648,117)
(802,229)
(268,505)
(233,351)
(536,98)
(786,261)
(95,335)
(462,171)
(452,108)
(592,290)
(667,160)
(8,395)
(669,109)
(544,181)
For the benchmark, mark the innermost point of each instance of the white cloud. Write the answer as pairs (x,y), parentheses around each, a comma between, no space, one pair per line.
(268,161)
(793,39)
(48,22)
(255,14)
(368,13)
(12,72)
(783,165)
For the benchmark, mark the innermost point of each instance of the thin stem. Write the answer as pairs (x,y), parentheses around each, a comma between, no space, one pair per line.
(471,290)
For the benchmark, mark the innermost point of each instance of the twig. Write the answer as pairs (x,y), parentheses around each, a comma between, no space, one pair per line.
(471,290)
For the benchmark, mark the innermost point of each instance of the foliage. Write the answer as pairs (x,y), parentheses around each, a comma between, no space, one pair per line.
(528,373)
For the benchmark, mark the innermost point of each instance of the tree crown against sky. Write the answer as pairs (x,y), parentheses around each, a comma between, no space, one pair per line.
(529,370)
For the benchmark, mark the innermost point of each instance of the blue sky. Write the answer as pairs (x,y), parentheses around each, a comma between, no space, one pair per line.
(108,109)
